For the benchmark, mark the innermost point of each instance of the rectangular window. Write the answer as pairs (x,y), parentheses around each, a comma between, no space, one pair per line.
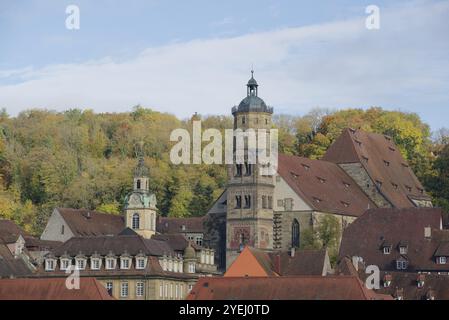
(166,291)
(109,287)
(65,264)
(238,202)
(190,287)
(161,290)
(270,202)
(141,263)
(280,203)
(139,289)
(110,264)
(403,250)
(176,291)
(125,263)
(49,265)
(288,204)
(95,264)
(81,264)
(199,241)
(442,260)
(387,250)
(124,290)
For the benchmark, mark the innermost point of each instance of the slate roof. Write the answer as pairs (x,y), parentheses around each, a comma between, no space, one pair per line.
(323,185)
(175,225)
(9,231)
(177,242)
(383,162)
(51,289)
(84,223)
(281,288)
(120,244)
(10,266)
(366,237)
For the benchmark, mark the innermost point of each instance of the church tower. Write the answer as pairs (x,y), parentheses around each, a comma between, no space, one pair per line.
(249,216)
(140,204)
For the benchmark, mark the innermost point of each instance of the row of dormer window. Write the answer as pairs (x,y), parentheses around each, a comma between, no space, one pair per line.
(110,263)
(172,264)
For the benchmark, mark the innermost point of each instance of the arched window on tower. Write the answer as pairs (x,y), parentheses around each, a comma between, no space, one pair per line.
(136,221)
(295,233)
(138,184)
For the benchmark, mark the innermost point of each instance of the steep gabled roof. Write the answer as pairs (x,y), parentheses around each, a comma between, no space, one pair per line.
(376,228)
(281,288)
(323,185)
(10,232)
(11,266)
(383,162)
(85,223)
(51,289)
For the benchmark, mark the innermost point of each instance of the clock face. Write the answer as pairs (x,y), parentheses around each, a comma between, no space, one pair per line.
(135,200)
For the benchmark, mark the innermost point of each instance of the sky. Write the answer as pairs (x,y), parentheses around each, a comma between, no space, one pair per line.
(195,56)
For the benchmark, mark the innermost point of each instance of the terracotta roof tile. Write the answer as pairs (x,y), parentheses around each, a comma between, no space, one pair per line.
(51,289)
(281,288)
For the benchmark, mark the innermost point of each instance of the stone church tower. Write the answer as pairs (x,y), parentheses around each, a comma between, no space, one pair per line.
(249,216)
(140,204)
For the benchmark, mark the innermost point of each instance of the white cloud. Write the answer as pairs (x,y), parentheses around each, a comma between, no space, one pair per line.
(403,65)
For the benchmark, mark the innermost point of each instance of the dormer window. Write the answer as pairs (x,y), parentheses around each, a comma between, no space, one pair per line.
(409,189)
(387,280)
(125,263)
(387,163)
(80,263)
(421,280)
(306,167)
(183,227)
(50,264)
(421,190)
(317,200)
(321,180)
(403,249)
(64,263)
(347,185)
(345,204)
(442,260)
(358,142)
(365,158)
(387,249)
(110,263)
(395,185)
(379,184)
(95,263)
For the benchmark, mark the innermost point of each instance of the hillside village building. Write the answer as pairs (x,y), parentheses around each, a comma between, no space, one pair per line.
(128,254)
(360,171)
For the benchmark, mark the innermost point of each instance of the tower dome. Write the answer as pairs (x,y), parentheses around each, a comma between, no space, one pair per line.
(252,102)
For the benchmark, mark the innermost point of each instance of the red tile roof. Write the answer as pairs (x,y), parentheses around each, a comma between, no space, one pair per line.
(304,262)
(84,222)
(51,289)
(377,228)
(384,163)
(281,288)
(323,185)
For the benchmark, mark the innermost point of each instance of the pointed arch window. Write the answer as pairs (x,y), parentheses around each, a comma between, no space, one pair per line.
(295,233)
(136,221)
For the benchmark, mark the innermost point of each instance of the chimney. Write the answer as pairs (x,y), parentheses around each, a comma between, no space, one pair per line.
(292,252)
(277,262)
(427,232)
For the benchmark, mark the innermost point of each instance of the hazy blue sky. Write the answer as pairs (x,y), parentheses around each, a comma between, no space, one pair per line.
(187,56)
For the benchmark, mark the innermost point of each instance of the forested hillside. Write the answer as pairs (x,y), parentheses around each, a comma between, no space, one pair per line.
(81,159)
